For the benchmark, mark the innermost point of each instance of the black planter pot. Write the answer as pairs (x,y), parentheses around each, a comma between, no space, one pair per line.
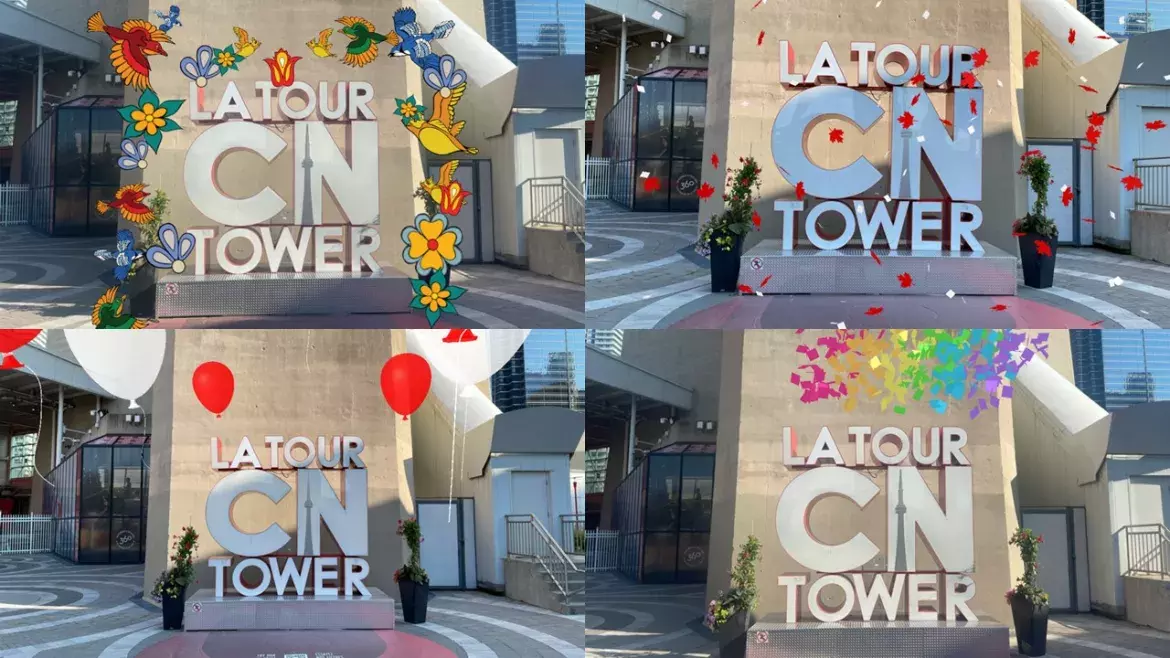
(414,601)
(173,611)
(733,635)
(725,266)
(1031,627)
(1038,268)
(140,290)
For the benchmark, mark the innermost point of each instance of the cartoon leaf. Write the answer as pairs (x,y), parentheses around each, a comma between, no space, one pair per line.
(874,310)
(979,58)
(1096,119)
(432,316)
(800,191)
(756,219)
(905,280)
(745,289)
(765,281)
(974,107)
(1092,134)
(874,256)
(1042,248)
(1066,196)
(1155,125)
(946,123)
(968,80)
(836,136)
(705,191)
(999,307)
(1088,89)
(456,292)
(760,39)
(918,79)
(651,184)
(914,101)
(715,160)
(154,140)
(1032,59)
(416,303)
(906,119)
(1072,35)
(1131,183)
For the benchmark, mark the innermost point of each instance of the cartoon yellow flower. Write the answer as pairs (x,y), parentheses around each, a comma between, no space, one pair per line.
(226,59)
(433,296)
(149,118)
(431,246)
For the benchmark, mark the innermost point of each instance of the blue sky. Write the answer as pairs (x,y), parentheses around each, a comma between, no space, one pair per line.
(1114,9)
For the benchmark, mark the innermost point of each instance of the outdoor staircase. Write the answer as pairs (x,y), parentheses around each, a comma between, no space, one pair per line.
(573,600)
(561,574)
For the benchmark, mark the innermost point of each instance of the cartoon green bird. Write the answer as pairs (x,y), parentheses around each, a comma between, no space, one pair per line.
(107,312)
(363,40)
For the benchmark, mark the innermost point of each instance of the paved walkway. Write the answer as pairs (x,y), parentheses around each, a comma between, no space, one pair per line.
(642,273)
(50,608)
(626,620)
(53,282)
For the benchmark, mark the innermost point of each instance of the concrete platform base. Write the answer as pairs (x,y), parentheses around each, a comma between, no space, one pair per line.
(282,293)
(859,639)
(854,271)
(205,612)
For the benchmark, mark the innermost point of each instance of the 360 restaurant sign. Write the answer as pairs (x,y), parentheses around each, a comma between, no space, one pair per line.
(911,508)
(955,154)
(347,517)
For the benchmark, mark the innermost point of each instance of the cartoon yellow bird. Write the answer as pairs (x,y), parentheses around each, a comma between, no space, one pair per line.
(245,45)
(440,133)
(321,46)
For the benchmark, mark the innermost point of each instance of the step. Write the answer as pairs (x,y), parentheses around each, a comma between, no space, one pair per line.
(854,271)
(270,612)
(283,293)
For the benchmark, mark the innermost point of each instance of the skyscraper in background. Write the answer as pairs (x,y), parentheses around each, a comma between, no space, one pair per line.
(1120,368)
(548,370)
(532,29)
(606,340)
(1094,10)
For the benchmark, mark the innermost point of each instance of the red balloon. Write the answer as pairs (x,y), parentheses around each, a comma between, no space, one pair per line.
(12,340)
(214,385)
(406,381)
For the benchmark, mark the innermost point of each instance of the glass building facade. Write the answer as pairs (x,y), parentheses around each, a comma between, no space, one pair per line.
(97,498)
(1119,368)
(534,29)
(663,512)
(658,133)
(548,370)
(70,163)
(606,340)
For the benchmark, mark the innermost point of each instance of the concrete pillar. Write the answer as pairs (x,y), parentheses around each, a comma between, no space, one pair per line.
(60,424)
(40,95)
(620,87)
(631,434)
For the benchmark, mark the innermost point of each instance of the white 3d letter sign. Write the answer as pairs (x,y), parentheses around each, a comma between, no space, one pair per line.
(317,505)
(955,155)
(911,511)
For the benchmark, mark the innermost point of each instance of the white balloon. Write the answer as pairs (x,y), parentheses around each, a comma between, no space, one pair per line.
(124,362)
(467,362)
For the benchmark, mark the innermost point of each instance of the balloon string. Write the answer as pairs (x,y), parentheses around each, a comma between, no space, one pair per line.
(454,422)
(40,422)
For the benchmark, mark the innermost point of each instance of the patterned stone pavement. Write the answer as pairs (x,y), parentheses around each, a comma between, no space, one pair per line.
(53,282)
(50,608)
(642,274)
(627,620)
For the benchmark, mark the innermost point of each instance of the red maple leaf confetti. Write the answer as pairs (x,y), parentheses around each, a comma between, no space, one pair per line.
(800,191)
(1072,35)
(1131,183)
(1042,248)
(979,58)
(1155,125)
(874,310)
(1089,220)
(946,123)
(757,4)
(1098,323)
(1017,234)
(874,256)
(1088,89)
(756,219)
(1116,168)
(918,79)
(1104,37)
(914,101)
(760,39)
(999,307)
(905,280)
(968,80)
(715,160)
(836,136)
(651,184)
(1032,59)
(1066,196)
(974,107)
(906,119)
(745,289)
(1092,134)
(1096,119)
(765,281)
(705,191)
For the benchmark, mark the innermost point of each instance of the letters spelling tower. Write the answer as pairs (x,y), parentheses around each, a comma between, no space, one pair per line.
(757,493)
(287,383)
(745,99)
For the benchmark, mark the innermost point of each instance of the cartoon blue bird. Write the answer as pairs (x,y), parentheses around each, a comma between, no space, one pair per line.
(169,20)
(125,255)
(408,39)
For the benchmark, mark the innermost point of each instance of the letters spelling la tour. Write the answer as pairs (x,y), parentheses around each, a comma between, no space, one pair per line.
(318,160)
(316,502)
(911,507)
(955,161)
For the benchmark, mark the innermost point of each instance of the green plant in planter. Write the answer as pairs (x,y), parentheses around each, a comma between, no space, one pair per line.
(1036,169)
(736,219)
(1028,585)
(175,579)
(579,540)
(412,570)
(742,595)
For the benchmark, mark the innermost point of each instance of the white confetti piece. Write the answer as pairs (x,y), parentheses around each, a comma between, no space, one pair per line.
(887,198)
(1063,188)
(656,15)
(878,4)
(926,14)
(841,326)
(921,138)
(970,130)
(999,82)
(641,89)
(644,174)
(759,294)
(1121,20)
(1141,64)
(1111,215)
(669,38)
(1143,312)
(1166,77)
(951,294)
(1115,281)
(1084,79)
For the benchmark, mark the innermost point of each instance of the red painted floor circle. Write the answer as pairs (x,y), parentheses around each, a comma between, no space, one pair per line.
(297,644)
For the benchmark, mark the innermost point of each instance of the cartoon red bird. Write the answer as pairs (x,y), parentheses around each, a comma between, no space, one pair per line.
(128,201)
(133,42)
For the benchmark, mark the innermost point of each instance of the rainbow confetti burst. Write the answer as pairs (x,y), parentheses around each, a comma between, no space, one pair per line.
(942,368)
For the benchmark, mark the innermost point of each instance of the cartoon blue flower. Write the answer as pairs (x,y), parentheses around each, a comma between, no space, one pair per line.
(446,77)
(200,68)
(173,249)
(135,154)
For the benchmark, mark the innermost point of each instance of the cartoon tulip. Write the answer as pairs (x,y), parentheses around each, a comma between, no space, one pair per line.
(281,68)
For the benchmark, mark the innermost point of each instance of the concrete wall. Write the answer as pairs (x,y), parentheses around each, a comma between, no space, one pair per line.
(1148,601)
(763,410)
(549,143)
(289,383)
(744,81)
(525,581)
(686,358)
(1135,486)
(554,252)
(1151,234)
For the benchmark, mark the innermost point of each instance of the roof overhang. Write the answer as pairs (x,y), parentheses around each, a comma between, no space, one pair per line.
(603,20)
(32,31)
(605,370)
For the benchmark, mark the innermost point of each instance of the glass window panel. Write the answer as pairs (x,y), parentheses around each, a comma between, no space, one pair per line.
(94,546)
(105,147)
(72,147)
(662,493)
(95,482)
(126,538)
(697,477)
(692,556)
(654,119)
(22,453)
(686,176)
(128,491)
(99,224)
(72,210)
(690,115)
(661,551)
(658,199)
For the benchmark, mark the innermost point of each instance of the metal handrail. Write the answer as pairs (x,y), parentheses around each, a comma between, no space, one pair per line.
(1148,548)
(527,537)
(1155,176)
(556,202)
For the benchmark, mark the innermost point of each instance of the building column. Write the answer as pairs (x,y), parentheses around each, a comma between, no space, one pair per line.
(40,95)
(60,424)
(631,436)
(619,87)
